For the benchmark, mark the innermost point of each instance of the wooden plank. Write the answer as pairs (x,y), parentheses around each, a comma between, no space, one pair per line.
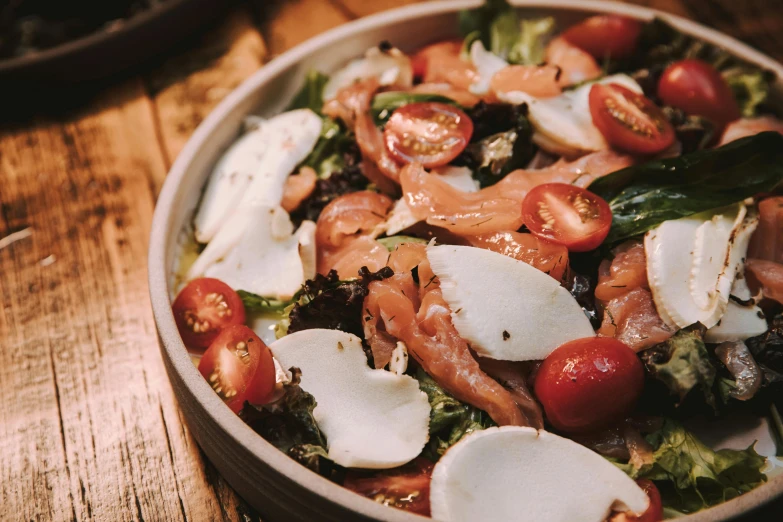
(89,428)
(359,8)
(188,85)
(286,24)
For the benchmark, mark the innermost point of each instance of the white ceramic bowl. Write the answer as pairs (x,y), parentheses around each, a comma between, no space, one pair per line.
(281,489)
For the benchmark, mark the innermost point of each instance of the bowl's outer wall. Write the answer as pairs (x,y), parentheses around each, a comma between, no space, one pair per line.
(279,488)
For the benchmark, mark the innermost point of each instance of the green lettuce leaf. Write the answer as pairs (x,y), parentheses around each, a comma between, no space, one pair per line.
(450,419)
(383,104)
(311,95)
(682,363)
(751,88)
(328,154)
(692,476)
(498,27)
(644,196)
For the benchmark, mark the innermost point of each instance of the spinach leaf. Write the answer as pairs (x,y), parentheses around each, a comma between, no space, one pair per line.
(311,95)
(391,242)
(450,419)
(501,32)
(691,476)
(383,104)
(493,157)
(644,196)
(682,363)
(260,304)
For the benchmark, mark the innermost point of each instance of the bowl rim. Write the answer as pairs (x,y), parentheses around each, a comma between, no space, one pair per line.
(159,272)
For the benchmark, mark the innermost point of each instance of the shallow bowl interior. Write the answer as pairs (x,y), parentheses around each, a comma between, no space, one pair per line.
(278,487)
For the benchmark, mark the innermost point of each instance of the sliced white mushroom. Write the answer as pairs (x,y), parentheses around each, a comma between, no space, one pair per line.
(692,263)
(390,66)
(400,217)
(563,124)
(371,418)
(505,308)
(266,258)
(525,475)
(255,167)
(487,64)
(399,359)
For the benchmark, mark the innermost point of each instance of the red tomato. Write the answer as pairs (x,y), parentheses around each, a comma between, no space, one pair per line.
(605,35)
(430,133)
(567,215)
(589,383)
(406,487)
(422,57)
(654,513)
(629,121)
(697,88)
(239,367)
(203,307)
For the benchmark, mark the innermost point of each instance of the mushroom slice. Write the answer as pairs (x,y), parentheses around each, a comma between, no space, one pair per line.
(504,307)
(521,474)
(372,419)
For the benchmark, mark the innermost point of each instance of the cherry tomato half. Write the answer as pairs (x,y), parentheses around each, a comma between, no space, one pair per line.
(406,487)
(605,35)
(629,121)
(202,308)
(654,512)
(697,88)
(430,133)
(589,383)
(567,215)
(239,367)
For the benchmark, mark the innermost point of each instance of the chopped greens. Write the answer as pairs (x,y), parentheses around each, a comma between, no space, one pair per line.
(392,242)
(328,154)
(691,476)
(311,95)
(450,419)
(644,196)
(260,304)
(682,363)
(383,104)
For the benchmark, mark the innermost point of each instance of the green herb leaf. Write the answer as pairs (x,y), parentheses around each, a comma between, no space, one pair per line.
(392,242)
(383,104)
(311,95)
(682,363)
(480,20)
(643,196)
(327,155)
(257,303)
(450,419)
(691,476)
(531,43)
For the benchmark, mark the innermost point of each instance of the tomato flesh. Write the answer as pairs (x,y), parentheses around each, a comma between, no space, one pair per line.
(587,384)
(203,308)
(567,215)
(629,121)
(698,88)
(430,133)
(239,367)
(654,512)
(605,35)
(407,487)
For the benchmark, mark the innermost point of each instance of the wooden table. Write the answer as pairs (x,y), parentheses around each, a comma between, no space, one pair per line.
(89,428)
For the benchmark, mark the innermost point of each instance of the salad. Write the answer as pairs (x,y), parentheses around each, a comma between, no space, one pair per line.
(519,275)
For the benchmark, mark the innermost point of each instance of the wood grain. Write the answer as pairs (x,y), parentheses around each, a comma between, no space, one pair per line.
(89,428)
